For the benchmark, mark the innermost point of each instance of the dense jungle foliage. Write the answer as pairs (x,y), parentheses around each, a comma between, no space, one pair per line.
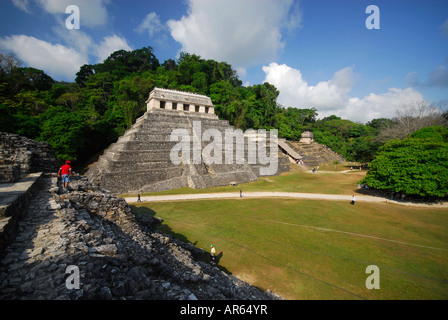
(82,118)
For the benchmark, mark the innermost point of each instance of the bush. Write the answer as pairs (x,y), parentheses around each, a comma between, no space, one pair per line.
(412,166)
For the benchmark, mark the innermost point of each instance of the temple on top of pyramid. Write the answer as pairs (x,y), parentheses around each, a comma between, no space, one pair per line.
(142,159)
(179,100)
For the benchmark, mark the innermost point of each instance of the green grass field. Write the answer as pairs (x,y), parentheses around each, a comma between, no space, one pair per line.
(310,249)
(292,181)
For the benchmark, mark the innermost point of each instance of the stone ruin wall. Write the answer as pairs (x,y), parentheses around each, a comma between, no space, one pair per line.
(119,252)
(20,156)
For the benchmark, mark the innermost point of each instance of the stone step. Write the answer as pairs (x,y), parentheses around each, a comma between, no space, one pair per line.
(153,160)
(120,182)
(179,117)
(165,146)
(127,166)
(14,200)
(180,113)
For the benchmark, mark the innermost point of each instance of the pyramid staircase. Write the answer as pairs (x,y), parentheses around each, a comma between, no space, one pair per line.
(313,154)
(140,161)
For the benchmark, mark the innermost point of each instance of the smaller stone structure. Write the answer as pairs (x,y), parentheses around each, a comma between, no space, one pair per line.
(313,154)
(20,156)
(178,100)
(307,137)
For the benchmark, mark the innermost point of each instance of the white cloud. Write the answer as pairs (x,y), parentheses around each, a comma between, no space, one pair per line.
(242,72)
(92,13)
(332,96)
(151,24)
(444,28)
(383,105)
(59,61)
(109,45)
(63,60)
(22,4)
(295,91)
(56,60)
(438,77)
(77,40)
(242,33)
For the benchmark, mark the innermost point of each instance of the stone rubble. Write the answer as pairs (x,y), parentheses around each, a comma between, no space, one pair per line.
(119,254)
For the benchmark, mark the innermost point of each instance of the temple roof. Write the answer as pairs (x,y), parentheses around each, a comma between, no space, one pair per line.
(179,96)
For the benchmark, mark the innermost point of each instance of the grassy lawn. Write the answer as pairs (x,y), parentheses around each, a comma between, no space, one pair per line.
(277,245)
(314,249)
(292,181)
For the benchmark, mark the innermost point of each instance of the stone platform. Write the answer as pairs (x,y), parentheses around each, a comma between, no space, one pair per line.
(14,199)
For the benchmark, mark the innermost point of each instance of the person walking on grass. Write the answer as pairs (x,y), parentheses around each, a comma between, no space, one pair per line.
(65,172)
(212,254)
(353,200)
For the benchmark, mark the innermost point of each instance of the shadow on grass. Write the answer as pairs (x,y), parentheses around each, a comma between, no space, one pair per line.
(166,229)
(398,198)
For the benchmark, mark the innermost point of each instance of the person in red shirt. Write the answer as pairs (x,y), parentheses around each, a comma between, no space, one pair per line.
(65,172)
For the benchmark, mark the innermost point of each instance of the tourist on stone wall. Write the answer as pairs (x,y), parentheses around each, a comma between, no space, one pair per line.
(65,172)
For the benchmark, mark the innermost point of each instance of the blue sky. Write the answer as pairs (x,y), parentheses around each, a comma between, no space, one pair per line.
(318,53)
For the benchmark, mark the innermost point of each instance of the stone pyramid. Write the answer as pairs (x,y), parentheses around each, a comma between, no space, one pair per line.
(144,158)
(313,153)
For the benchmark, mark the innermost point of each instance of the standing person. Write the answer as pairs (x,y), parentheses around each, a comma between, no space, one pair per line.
(212,254)
(353,200)
(241,193)
(65,172)
(139,200)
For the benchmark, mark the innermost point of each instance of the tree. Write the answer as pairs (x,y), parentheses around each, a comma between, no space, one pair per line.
(29,103)
(34,79)
(435,133)
(380,124)
(65,131)
(410,118)
(170,65)
(7,64)
(83,74)
(69,99)
(413,166)
(362,149)
(23,124)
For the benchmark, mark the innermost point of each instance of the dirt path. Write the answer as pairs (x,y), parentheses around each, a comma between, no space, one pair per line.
(249,195)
